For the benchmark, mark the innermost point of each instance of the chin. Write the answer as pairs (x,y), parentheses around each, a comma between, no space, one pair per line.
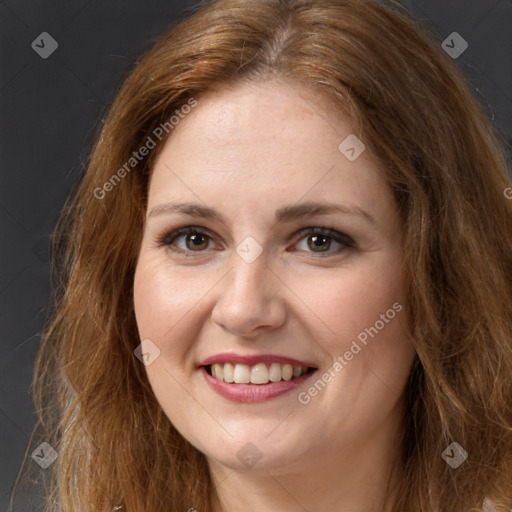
(255,453)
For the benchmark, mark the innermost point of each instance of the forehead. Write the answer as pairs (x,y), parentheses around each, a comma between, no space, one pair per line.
(264,144)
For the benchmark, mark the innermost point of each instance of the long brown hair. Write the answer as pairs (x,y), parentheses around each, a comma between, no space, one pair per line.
(445,165)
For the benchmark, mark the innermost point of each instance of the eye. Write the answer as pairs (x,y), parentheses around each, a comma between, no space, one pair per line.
(321,240)
(187,239)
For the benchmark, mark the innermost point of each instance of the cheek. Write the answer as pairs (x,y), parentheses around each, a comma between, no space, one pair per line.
(369,346)
(159,304)
(169,309)
(163,295)
(150,299)
(347,302)
(364,314)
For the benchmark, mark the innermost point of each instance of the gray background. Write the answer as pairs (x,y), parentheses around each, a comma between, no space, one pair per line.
(52,108)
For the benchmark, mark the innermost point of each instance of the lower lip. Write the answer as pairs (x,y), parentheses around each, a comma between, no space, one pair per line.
(249,393)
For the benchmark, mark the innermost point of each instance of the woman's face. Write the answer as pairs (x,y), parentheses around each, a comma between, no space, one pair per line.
(286,279)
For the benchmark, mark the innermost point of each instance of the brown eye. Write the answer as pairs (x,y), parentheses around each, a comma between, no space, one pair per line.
(196,241)
(187,239)
(323,241)
(319,243)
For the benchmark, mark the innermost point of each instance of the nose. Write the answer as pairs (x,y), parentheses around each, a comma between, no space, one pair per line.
(250,299)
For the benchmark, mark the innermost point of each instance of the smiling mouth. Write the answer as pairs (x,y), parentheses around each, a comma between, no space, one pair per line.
(261,373)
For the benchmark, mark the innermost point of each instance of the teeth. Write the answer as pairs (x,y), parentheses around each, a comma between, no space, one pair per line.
(275,372)
(242,374)
(260,373)
(287,372)
(228,372)
(218,371)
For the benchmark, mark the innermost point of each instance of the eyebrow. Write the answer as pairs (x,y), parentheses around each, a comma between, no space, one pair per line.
(284,214)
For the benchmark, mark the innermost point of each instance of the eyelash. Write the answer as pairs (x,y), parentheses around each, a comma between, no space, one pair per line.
(344,240)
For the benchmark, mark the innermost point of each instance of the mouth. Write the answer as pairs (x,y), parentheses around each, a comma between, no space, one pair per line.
(255,378)
(259,373)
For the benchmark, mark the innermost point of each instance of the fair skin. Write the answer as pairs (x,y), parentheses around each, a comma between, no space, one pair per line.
(246,152)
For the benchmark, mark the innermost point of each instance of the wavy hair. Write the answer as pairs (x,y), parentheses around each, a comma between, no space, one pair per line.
(445,164)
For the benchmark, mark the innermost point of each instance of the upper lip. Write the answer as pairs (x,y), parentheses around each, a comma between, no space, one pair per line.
(251,360)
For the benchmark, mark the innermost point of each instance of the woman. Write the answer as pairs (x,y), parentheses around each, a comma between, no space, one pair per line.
(286,277)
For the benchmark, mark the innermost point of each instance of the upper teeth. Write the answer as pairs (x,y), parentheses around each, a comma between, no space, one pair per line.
(258,374)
